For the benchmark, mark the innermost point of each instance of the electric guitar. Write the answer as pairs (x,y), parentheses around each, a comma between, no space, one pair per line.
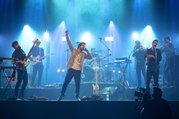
(24,62)
(96,86)
(37,59)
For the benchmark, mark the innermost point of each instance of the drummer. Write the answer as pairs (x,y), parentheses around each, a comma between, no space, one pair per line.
(93,53)
(90,62)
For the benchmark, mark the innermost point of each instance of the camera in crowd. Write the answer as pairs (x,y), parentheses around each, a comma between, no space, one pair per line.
(142,95)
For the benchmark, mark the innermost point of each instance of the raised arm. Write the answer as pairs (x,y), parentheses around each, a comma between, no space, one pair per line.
(68,41)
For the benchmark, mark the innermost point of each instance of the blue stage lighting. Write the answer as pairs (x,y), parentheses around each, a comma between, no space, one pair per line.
(109,39)
(147,36)
(135,35)
(87,38)
(46,36)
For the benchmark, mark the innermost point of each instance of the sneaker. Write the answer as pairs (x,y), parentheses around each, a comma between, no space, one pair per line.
(60,98)
(20,99)
(78,99)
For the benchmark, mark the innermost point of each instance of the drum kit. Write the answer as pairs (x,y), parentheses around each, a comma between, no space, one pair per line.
(98,63)
(101,64)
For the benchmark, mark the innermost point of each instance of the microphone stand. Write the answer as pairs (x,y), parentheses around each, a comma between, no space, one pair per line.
(107,56)
(109,50)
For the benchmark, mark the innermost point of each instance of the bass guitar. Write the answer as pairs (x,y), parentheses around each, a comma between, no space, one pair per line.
(96,86)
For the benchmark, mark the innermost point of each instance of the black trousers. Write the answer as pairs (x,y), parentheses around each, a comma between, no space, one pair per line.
(140,68)
(169,72)
(70,74)
(38,68)
(22,76)
(152,72)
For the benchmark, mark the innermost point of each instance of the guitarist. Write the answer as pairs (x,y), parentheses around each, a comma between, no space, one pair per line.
(37,51)
(22,75)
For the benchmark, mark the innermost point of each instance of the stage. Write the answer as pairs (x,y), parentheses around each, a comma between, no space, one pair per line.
(75,109)
(109,47)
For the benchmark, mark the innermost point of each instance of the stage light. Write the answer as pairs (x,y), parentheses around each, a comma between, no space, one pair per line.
(63,70)
(27,33)
(87,38)
(46,36)
(26,27)
(147,36)
(58,70)
(64,39)
(26,37)
(111,23)
(109,39)
(113,71)
(119,71)
(59,34)
(135,36)
(27,30)
(63,23)
(148,28)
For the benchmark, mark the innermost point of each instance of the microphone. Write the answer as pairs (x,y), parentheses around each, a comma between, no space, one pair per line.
(85,50)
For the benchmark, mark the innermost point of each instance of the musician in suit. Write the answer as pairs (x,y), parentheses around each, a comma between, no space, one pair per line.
(22,76)
(153,58)
(37,68)
(169,52)
(138,54)
(75,65)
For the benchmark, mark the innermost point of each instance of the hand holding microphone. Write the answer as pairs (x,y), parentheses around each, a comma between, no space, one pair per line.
(85,50)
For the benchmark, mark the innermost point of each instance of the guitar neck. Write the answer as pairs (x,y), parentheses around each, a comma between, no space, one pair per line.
(29,54)
(96,77)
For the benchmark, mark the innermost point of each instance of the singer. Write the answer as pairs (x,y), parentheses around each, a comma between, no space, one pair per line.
(75,65)
(153,58)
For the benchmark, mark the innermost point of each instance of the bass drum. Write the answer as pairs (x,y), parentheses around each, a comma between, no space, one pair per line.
(88,74)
